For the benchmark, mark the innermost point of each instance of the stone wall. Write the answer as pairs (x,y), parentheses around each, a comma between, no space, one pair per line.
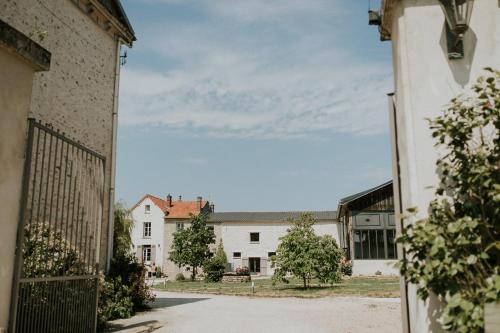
(77,95)
(236,278)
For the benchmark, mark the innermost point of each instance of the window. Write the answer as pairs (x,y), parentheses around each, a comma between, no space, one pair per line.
(146,253)
(236,255)
(146,231)
(271,254)
(147,209)
(375,244)
(254,237)
(179,226)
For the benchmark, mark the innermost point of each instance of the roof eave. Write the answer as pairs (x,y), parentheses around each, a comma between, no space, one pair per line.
(387,9)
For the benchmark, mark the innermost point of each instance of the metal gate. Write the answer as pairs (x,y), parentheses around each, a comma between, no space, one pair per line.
(56,278)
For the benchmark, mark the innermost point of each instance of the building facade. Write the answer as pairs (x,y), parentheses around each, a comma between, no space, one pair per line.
(148,231)
(368,230)
(59,64)
(427,75)
(251,238)
(155,222)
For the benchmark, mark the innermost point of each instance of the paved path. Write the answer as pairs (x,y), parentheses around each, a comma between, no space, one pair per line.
(192,313)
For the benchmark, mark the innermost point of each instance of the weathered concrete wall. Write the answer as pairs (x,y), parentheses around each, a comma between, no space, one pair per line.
(15,96)
(425,80)
(76,96)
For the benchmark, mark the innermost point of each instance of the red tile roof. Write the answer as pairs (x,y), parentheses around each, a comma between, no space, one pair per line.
(160,203)
(179,209)
(183,209)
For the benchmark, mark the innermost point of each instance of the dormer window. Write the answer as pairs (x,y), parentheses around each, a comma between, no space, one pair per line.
(147,209)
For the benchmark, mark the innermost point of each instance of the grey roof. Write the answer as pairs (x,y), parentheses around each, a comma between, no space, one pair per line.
(267,216)
(115,8)
(363,193)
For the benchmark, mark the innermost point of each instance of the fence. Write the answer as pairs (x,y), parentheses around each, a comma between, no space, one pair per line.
(56,271)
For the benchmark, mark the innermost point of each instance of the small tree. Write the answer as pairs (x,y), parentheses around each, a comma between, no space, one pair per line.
(122,228)
(305,255)
(455,252)
(191,245)
(329,256)
(215,267)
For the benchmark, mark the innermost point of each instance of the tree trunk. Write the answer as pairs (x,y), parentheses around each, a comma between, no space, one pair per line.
(304,279)
(193,274)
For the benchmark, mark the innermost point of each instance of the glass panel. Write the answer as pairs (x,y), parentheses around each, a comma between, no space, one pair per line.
(357,245)
(391,244)
(365,245)
(373,243)
(380,244)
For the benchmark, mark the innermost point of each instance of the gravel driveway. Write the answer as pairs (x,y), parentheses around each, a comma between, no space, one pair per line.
(193,313)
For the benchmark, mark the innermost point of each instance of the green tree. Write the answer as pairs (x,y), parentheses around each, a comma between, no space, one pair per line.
(305,255)
(328,259)
(123,224)
(190,246)
(215,267)
(455,252)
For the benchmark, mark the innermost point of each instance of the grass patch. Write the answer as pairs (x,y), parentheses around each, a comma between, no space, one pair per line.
(356,286)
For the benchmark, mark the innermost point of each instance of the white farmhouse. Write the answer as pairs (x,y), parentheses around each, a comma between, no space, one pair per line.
(251,238)
(147,234)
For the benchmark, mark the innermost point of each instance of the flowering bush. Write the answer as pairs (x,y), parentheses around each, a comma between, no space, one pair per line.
(242,270)
(346,267)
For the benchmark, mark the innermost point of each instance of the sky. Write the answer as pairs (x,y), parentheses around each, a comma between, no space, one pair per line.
(256,105)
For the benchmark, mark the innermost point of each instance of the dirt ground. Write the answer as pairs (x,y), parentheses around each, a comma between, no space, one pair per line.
(188,313)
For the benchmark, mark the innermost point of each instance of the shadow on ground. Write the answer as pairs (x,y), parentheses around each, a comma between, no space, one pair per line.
(166,302)
(147,326)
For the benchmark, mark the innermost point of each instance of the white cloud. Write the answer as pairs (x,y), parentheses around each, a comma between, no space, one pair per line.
(231,77)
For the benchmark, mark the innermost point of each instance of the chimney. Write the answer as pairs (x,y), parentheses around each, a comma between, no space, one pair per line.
(212,208)
(169,200)
(180,197)
(199,199)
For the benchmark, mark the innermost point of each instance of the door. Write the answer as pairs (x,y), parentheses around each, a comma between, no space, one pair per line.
(254,265)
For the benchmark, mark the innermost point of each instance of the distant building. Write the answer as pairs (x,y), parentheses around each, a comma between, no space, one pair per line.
(368,230)
(155,222)
(177,216)
(251,238)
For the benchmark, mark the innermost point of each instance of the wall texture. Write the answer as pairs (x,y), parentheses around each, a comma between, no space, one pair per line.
(425,80)
(76,96)
(15,96)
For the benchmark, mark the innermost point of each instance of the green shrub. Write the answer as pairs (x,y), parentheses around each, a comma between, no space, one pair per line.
(214,269)
(180,277)
(346,267)
(133,274)
(115,301)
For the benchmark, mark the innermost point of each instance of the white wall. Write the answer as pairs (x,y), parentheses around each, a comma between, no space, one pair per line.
(155,216)
(236,238)
(371,267)
(425,80)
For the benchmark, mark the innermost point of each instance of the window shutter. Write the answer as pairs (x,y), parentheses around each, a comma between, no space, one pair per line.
(153,254)
(139,253)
